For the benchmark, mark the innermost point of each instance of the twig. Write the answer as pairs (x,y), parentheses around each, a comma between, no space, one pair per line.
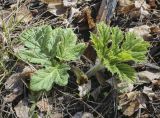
(106,10)
(81,101)
(114,84)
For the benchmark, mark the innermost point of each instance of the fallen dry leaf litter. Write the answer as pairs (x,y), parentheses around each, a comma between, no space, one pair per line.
(85,96)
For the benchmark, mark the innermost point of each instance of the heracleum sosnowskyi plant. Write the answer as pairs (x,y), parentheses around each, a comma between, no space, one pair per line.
(115,48)
(52,48)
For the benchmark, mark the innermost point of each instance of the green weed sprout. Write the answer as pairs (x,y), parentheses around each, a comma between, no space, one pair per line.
(52,48)
(115,48)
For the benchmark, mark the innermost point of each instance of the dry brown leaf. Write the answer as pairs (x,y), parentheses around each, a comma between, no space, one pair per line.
(148,91)
(28,71)
(132,95)
(132,107)
(147,76)
(68,3)
(141,3)
(4,16)
(125,87)
(89,18)
(143,99)
(125,6)
(156,82)
(44,105)
(143,31)
(22,110)
(135,100)
(126,9)
(129,102)
(155,30)
(23,14)
(58,7)
(55,7)
(15,85)
(135,9)
(144,115)
(143,6)
(57,10)
(134,14)
(53,2)
(123,100)
(152,3)
(127,97)
(14,81)
(11,97)
(125,2)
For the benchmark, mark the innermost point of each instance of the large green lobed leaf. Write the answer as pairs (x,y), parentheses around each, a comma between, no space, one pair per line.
(52,49)
(114,48)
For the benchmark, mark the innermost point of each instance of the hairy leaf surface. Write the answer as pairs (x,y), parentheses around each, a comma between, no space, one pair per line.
(67,49)
(114,48)
(49,47)
(36,41)
(44,79)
